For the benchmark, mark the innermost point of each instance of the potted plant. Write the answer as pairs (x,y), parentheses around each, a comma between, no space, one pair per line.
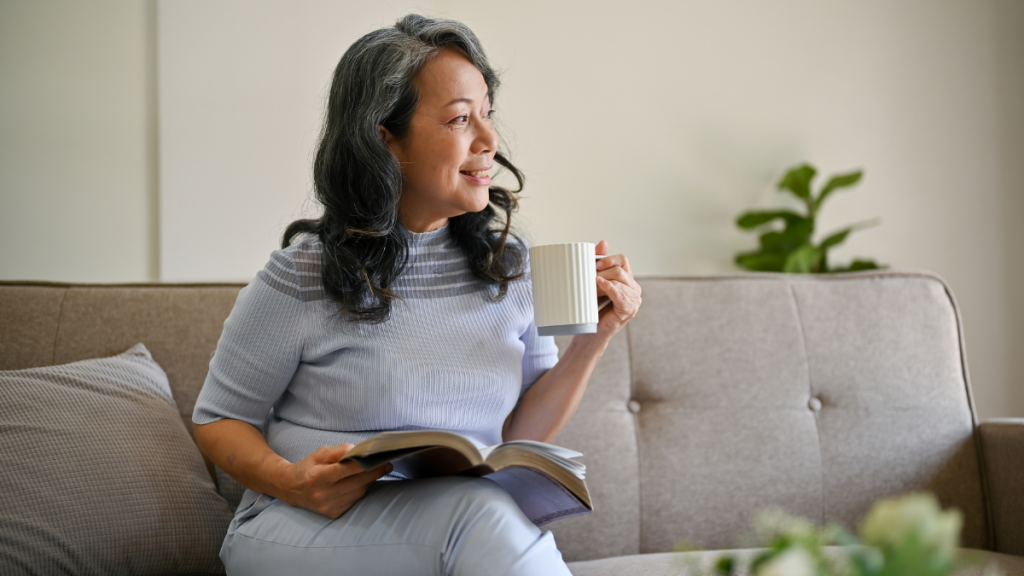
(791,248)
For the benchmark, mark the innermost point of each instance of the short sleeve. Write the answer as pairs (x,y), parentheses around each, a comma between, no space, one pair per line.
(541,355)
(259,349)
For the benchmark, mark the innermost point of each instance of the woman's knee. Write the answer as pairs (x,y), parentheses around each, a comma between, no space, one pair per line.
(480,496)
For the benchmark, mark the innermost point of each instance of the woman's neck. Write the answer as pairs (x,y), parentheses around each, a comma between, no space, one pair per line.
(421,224)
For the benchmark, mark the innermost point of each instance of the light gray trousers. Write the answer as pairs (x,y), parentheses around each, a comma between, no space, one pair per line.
(450,526)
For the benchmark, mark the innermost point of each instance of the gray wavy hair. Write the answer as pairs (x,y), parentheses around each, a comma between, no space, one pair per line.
(358,181)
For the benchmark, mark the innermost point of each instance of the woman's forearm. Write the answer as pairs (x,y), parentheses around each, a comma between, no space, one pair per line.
(551,402)
(319,482)
(239,449)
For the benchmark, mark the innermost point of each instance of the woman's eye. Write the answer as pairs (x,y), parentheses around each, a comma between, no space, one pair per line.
(460,119)
(490,113)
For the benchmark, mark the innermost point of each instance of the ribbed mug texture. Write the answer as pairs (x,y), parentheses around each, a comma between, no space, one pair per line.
(564,284)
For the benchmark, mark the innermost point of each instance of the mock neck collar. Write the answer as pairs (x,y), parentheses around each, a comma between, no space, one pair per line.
(421,238)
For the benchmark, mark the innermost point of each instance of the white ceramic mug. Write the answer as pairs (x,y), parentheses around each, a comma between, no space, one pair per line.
(564,280)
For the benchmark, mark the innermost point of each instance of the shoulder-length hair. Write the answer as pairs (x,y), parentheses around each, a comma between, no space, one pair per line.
(358,181)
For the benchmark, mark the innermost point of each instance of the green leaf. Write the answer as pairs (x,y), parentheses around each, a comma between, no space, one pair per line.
(774,242)
(835,183)
(725,566)
(798,180)
(803,260)
(864,265)
(857,265)
(798,233)
(753,219)
(761,262)
(835,239)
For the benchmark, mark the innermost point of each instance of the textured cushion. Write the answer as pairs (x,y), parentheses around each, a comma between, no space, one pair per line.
(99,476)
(817,394)
(42,324)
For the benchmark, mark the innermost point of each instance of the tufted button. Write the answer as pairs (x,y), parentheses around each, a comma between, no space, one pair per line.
(814,404)
(633,406)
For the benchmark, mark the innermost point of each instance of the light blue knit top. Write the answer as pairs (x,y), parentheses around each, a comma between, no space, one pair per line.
(448,358)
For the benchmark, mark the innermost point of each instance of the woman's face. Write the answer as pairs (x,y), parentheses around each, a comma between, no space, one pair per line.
(450,145)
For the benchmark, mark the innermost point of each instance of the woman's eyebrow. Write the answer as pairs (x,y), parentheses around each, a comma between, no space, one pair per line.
(458,100)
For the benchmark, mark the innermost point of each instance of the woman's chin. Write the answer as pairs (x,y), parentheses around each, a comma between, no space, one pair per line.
(478,201)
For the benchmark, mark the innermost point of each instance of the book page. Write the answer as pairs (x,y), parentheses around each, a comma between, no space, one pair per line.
(541,498)
(556,454)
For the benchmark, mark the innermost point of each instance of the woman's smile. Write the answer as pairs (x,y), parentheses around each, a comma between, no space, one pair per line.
(481,177)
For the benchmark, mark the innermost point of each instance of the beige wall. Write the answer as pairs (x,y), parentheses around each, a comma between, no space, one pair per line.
(1009,18)
(651,126)
(78,140)
(655,124)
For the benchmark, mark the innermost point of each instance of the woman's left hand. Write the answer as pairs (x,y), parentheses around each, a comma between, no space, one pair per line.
(615,280)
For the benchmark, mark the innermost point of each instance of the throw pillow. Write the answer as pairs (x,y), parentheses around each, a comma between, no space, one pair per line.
(98,474)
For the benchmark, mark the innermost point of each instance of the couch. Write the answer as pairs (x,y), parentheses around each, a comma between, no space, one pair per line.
(724,396)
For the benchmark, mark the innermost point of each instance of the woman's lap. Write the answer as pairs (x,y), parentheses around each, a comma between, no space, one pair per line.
(451,525)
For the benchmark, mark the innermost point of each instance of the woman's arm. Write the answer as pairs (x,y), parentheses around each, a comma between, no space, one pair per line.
(551,402)
(318,482)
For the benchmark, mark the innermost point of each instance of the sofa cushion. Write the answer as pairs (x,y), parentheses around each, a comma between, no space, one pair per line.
(818,395)
(702,563)
(98,475)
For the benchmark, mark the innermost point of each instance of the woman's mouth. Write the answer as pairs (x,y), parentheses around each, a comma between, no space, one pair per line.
(477,176)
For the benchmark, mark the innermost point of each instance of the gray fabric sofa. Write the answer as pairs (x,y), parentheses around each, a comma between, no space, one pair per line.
(726,395)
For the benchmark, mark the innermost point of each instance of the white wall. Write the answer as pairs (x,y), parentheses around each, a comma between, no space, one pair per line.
(654,124)
(78,138)
(241,96)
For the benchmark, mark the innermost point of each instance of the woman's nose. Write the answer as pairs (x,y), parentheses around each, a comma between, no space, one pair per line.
(486,140)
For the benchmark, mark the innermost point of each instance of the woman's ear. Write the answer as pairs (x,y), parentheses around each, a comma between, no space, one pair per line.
(386,136)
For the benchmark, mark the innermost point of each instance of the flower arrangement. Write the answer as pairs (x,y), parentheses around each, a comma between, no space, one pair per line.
(908,535)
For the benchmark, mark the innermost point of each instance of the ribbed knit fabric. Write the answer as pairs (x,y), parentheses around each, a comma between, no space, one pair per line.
(448,358)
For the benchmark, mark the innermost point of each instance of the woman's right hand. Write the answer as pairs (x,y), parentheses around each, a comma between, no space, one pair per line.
(318,482)
(321,483)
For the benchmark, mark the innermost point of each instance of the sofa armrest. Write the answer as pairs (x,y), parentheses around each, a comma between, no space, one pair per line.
(1002,440)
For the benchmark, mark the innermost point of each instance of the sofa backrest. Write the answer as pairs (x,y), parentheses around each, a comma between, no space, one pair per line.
(724,396)
(816,394)
(45,323)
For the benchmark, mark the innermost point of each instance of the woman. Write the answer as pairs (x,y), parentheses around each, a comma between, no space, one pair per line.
(406,305)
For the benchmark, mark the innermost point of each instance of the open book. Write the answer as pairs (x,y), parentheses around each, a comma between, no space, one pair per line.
(540,477)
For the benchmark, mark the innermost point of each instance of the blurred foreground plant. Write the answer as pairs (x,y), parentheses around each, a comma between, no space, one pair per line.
(905,536)
(791,248)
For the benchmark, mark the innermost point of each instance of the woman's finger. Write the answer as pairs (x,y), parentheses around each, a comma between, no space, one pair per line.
(365,477)
(624,298)
(619,260)
(616,273)
(620,274)
(612,289)
(610,261)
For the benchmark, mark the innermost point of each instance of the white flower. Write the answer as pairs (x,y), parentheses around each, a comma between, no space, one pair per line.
(893,521)
(775,522)
(792,562)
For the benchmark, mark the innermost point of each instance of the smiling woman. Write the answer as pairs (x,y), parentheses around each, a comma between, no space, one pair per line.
(405,306)
(406,137)
(448,149)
